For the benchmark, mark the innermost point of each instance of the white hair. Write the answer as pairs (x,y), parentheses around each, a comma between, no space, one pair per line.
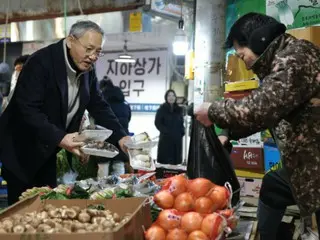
(80,28)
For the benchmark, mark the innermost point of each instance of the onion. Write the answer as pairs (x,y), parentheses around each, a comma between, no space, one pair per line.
(212,225)
(164,199)
(178,185)
(169,219)
(177,234)
(155,233)
(204,205)
(199,187)
(184,202)
(191,221)
(197,235)
(220,197)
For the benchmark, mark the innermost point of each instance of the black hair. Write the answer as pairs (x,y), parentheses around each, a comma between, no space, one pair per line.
(105,83)
(242,29)
(167,93)
(21,60)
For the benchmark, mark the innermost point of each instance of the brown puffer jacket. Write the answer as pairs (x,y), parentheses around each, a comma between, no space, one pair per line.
(288,103)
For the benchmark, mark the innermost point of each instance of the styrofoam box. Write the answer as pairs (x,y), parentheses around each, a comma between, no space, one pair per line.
(250,187)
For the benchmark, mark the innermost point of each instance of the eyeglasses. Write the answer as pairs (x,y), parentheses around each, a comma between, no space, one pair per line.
(90,51)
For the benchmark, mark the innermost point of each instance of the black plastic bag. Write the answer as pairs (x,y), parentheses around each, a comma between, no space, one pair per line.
(209,159)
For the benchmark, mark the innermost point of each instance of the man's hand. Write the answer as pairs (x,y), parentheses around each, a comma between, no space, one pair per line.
(223,139)
(70,145)
(202,114)
(122,142)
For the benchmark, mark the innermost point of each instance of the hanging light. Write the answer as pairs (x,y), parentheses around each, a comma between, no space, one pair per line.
(125,57)
(180,44)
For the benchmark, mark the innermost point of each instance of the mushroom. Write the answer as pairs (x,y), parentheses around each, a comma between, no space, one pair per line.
(77,225)
(30,229)
(7,225)
(92,212)
(92,227)
(107,224)
(98,220)
(17,217)
(76,208)
(50,223)
(84,217)
(55,213)
(49,207)
(116,217)
(18,229)
(35,222)
(43,228)
(2,230)
(43,215)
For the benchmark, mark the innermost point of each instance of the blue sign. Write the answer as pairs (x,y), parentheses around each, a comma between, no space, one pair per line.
(144,107)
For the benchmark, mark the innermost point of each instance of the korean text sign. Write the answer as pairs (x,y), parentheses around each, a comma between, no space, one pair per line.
(142,82)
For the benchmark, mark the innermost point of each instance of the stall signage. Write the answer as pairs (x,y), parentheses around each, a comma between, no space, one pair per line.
(294,13)
(143,83)
(141,107)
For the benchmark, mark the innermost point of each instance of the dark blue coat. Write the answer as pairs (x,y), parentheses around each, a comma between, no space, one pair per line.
(114,96)
(34,122)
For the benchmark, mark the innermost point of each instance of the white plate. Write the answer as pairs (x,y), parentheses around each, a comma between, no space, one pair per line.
(135,165)
(93,135)
(101,152)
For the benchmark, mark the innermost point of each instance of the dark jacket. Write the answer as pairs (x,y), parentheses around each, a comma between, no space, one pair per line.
(115,97)
(288,103)
(169,121)
(35,121)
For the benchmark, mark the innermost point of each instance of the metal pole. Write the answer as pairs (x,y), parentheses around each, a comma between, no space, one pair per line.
(209,52)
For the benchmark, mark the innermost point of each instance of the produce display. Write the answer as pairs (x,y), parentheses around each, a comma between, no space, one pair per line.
(63,220)
(34,191)
(84,171)
(102,188)
(192,209)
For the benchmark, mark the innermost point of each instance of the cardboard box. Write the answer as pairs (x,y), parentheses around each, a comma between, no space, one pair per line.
(247,158)
(250,187)
(237,70)
(311,34)
(133,229)
(271,157)
(249,174)
(253,141)
(240,86)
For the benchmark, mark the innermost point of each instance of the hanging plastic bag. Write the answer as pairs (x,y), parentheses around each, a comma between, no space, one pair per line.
(209,159)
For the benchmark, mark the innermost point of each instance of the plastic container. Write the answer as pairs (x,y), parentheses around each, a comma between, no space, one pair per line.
(109,152)
(141,141)
(141,159)
(93,135)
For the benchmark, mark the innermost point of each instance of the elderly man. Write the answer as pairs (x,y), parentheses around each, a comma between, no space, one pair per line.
(287,102)
(55,87)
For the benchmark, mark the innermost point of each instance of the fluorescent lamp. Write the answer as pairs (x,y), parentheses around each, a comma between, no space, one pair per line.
(125,57)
